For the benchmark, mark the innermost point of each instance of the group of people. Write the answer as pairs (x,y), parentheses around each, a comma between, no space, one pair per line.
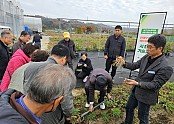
(36,87)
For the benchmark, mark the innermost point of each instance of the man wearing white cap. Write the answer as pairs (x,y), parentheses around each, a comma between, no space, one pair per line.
(70,44)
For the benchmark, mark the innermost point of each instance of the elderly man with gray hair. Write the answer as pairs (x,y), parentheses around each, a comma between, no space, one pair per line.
(59,55)
(48,87)
(5,40)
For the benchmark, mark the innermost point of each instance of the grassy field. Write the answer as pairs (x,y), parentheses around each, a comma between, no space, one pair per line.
(161,113)
(96,42)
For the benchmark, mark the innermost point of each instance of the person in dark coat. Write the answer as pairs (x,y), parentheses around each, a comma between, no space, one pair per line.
(84,66)
(6,39)
(154,72)
(37,39)
(100,80)
(52,81)
(63,112)
(70,44)
(23,39)
(114,47)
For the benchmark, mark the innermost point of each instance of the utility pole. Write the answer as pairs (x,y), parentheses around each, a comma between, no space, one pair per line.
(3,11)
(60,24)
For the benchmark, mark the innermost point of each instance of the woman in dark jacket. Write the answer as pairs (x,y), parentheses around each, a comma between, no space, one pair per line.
(84,66)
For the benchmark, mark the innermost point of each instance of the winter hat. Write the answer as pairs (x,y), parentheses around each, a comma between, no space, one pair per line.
(66,35)
(101,81)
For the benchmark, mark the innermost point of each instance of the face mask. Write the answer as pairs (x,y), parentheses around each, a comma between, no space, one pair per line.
(52,109)
(66,63)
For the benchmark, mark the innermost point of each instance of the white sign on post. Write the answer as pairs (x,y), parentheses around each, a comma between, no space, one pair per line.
(150,24)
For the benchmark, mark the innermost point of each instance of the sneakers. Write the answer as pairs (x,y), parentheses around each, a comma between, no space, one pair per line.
(85,79)
(102,106)
(87,105)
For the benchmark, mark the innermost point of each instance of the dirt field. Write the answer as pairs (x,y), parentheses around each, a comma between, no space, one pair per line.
(162,113)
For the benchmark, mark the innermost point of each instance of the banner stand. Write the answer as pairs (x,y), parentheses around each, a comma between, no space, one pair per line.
(149,24)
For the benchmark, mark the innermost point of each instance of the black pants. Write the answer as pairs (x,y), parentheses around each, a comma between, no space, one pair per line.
(101,98)
(143,110)
(38,44)
(82,74)
(109,63)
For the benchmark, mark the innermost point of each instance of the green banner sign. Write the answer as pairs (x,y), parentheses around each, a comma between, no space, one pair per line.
(149,31)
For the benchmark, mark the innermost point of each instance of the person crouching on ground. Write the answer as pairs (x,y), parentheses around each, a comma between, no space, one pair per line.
(100,80)
(84,67)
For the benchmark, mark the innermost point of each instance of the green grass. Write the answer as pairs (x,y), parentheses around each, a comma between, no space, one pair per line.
(115,109)
(96,42)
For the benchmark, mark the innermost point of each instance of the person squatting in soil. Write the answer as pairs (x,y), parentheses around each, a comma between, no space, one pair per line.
(84,67)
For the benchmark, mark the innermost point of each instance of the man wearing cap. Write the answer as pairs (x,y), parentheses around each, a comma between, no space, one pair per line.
(70,44)
(99,80)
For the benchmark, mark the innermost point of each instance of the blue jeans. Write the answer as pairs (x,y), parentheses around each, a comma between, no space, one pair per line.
(143,110)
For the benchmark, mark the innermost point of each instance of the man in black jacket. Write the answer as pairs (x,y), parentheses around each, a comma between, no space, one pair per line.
(70,44)
(23,39)
(6,39)
(37,39)
(154,72)
(100,80)
(114,47)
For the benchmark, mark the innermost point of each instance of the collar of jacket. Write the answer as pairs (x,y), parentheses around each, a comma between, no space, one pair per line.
(21,41)
(51,60)
(66,41)
(20,109)
(3,43)
(117,37)
(154,64)
(21,53)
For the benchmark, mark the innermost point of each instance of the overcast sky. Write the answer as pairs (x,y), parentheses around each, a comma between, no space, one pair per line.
(114,10)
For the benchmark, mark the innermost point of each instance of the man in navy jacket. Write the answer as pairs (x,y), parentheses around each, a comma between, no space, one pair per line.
(114,47)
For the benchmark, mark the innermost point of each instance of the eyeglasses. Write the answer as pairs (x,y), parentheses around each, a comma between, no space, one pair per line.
(150,46)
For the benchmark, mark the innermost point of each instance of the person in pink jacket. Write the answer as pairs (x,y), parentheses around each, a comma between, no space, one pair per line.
(19,58)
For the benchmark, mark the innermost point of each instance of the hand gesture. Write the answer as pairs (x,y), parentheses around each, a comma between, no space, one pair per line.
(130,82)
(106,56)
(119,61)
(109,96)
(79,64)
